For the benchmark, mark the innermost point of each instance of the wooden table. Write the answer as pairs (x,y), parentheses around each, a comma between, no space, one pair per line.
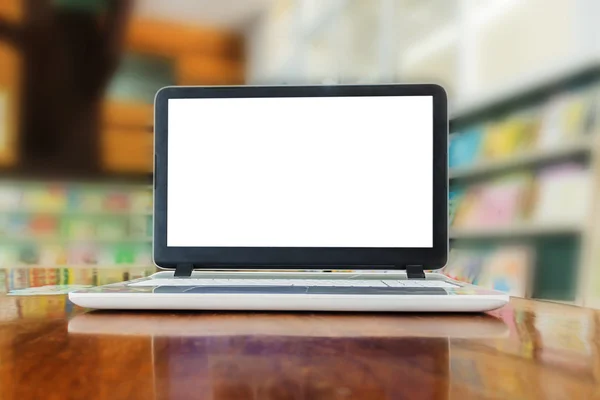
(50,349)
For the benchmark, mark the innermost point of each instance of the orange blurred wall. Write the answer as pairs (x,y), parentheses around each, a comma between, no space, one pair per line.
(200,55)
(9,87)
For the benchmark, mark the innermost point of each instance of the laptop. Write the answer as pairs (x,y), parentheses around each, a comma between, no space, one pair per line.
(308,198)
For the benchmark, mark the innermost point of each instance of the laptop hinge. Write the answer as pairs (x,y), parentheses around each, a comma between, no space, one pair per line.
(415,272)
(184,270)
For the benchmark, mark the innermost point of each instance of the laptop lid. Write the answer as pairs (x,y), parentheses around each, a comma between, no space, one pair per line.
(301,177)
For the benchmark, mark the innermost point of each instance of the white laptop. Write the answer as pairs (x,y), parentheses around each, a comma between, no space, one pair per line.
(264,195)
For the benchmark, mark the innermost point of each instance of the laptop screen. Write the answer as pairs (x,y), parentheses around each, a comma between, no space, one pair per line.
(300,172)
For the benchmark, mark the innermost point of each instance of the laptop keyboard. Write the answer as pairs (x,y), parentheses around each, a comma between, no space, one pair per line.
(304,283)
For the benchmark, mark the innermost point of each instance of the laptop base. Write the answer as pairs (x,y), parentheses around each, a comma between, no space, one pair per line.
(164,291)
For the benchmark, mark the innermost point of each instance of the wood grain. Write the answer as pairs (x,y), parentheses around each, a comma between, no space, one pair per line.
(52,350)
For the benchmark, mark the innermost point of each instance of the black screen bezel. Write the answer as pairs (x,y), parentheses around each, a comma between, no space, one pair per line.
(302,257)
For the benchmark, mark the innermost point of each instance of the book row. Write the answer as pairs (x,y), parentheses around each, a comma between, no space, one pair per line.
(556,194)
(46,254)
(75,227)
(74,197)
(505,268)
(564,118)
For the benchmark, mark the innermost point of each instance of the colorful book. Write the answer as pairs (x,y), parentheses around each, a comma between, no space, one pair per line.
(464,147)
(507,269)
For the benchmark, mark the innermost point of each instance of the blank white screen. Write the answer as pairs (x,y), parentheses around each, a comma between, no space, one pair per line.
(300,172)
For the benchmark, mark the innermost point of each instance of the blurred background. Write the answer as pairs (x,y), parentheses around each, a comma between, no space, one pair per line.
(77,82)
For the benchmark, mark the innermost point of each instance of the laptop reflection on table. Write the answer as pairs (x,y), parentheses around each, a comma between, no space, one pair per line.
(267,355)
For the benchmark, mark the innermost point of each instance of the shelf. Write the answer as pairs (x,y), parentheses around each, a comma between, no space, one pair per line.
(533,157)
(76,213)
(60,240)
(529,89)
(81,266)
(517,230)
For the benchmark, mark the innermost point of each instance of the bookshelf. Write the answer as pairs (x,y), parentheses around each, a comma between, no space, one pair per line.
(582,268)
(525,159)
(100,221)
(572,242)
(64,224)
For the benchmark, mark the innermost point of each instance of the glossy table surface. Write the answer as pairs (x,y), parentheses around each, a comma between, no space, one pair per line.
(50,349)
